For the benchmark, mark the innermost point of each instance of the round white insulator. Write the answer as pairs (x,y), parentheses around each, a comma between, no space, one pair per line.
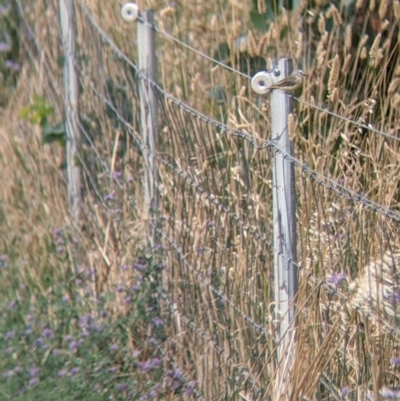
(130,12)
(261,82)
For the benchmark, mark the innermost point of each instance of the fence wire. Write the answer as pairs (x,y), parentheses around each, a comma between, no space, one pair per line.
(214,226)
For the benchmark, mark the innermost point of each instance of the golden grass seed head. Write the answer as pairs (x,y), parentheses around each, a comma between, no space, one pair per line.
(346,64)
(385,25)
(214,22)
(359,4)
(299,46)
(291,126)
(383,7)
(321,25)
(375,46)
(372,5)
(334,97)
(396,9)
(251,44)
(395,100)
(167,11)
(348,40)
(334,74)
(363,54)
(262,44)
(394,86)
(334,13)
(261,6)
(363,41)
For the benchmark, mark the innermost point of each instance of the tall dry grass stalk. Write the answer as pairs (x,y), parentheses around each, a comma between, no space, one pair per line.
(217,251)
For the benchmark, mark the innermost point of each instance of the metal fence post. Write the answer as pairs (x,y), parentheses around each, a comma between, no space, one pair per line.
(284,203)
(148,110)
(68,33)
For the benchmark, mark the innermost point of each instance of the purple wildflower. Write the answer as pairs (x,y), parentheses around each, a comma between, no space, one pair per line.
(122,387)
(117,174)
(74,371)
(158,322)
(190,387)
(109,196)
(12,305)
(336,279)
(139,266)
(396,361)
(33,372)
(47,333)
(124,268)
(33,381)
(113,347)
(5,47)
(345,391)
(9,335)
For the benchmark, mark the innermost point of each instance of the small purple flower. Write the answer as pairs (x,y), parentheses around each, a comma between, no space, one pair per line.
(62,372)
(124,268)
(128,300)
(345,391)
(200,250)
(73,346)
(117,174)
(47,333)
(5,47)
(4,10)
(113,347)
(158,322)
(38,342)
(33,382)
(109,196)
(74,371)
(190,387)
(139,266)
(60,249)
(396,361)
(57,232)
(119,288)
(34,372)
(65,299)
(209,224)
(12,305)
(122,387)
(336,279)
(85,320)
(103,314)
(68,338)
(9,335)
(3,261)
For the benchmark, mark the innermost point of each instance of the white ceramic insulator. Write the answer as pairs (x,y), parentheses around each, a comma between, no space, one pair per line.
(261,82)
(130,12)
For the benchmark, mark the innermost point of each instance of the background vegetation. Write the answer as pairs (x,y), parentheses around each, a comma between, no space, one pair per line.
(94,311)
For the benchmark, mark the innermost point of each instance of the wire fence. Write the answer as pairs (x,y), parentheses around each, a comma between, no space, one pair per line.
(214,225)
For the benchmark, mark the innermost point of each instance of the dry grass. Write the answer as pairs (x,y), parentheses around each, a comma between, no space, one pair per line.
(353,77)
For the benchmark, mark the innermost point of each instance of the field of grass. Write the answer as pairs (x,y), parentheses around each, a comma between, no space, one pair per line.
(94,310)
